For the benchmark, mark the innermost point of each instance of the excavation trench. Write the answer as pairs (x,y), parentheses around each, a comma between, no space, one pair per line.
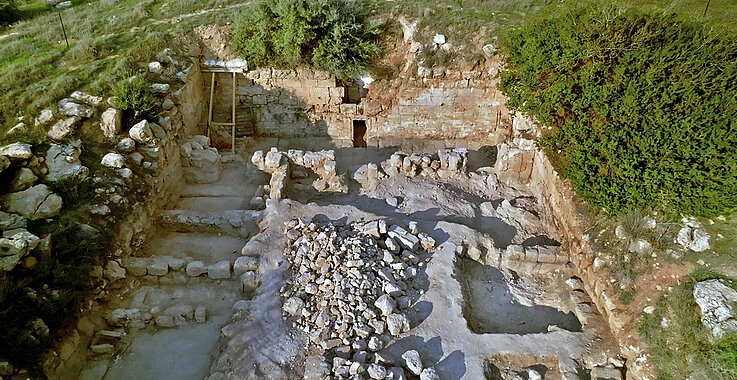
(204,296)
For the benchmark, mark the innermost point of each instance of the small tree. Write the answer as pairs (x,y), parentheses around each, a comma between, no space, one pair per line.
(133,97)
(332,35)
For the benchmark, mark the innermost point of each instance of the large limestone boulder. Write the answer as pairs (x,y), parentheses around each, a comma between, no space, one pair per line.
(110,122)
(18,151)
(14,245)
(37,202)
(83,97)
(718,304)
(63,162)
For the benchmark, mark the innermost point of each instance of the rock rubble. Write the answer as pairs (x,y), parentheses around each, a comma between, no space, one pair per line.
(351,287)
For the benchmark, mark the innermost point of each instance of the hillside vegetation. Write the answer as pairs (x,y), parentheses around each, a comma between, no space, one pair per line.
(643,107)
(333,35)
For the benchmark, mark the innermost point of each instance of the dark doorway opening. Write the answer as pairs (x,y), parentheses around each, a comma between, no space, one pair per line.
(359,133)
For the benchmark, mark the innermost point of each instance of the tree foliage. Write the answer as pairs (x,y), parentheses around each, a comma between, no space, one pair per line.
(333,35)
(642,107)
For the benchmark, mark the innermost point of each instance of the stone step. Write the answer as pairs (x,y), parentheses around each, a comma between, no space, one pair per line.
(209,190)
(199,246)
(242,223)
(213,203)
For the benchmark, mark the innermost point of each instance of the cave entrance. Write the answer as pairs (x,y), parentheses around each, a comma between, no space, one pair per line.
(359,133)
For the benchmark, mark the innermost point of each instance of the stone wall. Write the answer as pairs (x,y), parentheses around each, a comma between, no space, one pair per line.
(306,103)
(521,163)
(135,229)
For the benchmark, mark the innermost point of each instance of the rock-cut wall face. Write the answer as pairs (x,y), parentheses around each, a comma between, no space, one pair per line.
(461,105)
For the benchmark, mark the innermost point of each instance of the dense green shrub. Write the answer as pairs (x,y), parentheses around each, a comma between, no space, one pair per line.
(333,35)
(133,97)
(642,107)
(8,11)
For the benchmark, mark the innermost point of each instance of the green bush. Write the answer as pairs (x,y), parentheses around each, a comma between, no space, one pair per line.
(8,11)
(332,35)
(642,107)
(133,97)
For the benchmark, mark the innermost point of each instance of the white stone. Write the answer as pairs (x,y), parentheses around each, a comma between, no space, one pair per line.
(110,121)
(45,117)
(154,67)
(113,160)
(17,150)
(63,128)
(126,145)
(438,39)
(430,374)
(293,306)
(63,162)
(14,245)
(160,88)
(83,97)
(69,108)
(718,304)
(397,324)
(386,304)
(412,361)
(141,132)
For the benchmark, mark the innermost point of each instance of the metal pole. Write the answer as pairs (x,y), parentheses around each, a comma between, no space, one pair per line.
(707,7)
(63,29)
(232,136)
(209,113)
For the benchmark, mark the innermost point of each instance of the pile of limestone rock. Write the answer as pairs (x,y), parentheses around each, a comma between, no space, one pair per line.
(350,290)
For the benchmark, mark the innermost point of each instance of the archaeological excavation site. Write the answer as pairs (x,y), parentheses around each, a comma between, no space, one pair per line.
(224,216)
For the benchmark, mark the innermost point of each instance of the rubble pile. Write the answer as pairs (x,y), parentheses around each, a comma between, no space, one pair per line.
(351,287)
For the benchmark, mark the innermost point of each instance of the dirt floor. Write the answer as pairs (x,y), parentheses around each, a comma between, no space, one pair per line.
(470,317)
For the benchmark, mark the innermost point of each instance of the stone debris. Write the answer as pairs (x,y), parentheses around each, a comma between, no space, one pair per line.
(70,107)
(350,291)
(718,304)
(24,179)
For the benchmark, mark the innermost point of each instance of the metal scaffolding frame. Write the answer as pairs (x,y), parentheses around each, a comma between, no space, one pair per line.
(210,121)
